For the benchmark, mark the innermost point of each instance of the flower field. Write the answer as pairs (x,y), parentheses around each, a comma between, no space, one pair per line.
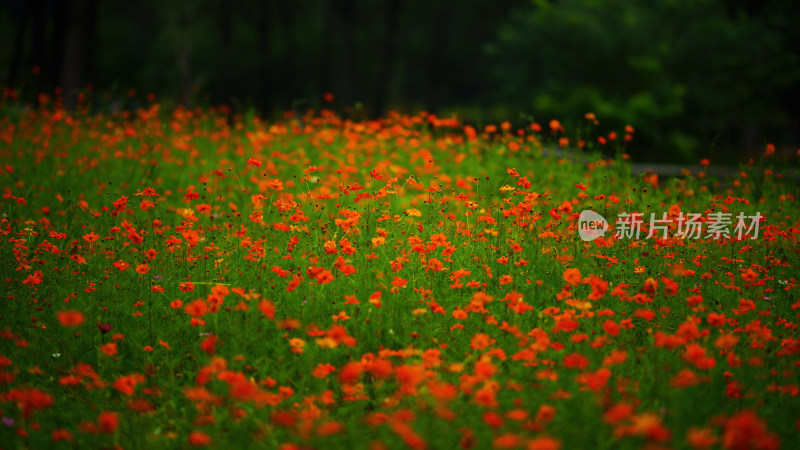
(194,278)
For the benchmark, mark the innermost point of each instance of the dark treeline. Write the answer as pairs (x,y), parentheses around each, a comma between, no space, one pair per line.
(696,78)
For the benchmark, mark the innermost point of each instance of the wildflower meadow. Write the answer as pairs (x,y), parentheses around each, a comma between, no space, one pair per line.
(180,277)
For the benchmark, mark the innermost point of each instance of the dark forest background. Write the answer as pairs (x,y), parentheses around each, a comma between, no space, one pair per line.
(696,78)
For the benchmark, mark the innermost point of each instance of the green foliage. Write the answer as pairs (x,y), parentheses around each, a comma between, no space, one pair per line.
(686,74)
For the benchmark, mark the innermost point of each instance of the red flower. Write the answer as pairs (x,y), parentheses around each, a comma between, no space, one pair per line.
(199,439)
(108,421)
(209,344)
(91,237)
(109,349)
(575,361)
(127,384)
(197,308)
(747,430)
(30,399)
(572,276)
(70,318)
(350,373)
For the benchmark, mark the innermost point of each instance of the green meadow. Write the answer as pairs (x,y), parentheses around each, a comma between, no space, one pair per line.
(192,277)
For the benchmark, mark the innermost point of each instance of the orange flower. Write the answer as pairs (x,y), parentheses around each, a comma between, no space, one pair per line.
(599,288)
(267,308)
(747,430)
(486,395)
(127,384)
(407,434)
(546,413)
(701,437)
(70,318)
(685,378)
(565,324)
(297,345)
(611,327)
(726,341)
(434,265)
(60,434)
(109,349)
(324,277)
(330,428)
(484,369)
(409,377)
(209,344)
(91,237)
(696,355)
(575,361)
(199,439)
(506,440)
(649,425)
(30,400)
(544,443)
(595,381)
(618,413)
(615,357)
(572,276)
(197,308)
(650,286)
(323,370)
(480,341)
(350,373)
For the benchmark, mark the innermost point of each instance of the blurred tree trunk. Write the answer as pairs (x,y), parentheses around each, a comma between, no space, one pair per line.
(324,68)
(386,62)
(58,40)
(290,79)
(225,24)
(90,43)
(439,40)
(345,17)
(23,14)
(264,89)
(39,11)
(185,50)
(79,18)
